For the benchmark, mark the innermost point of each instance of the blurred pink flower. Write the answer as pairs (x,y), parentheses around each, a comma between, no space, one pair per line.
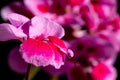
(15,7)
(76,72)
(92,47)
(57,10)
(103,72)
(41,39)
(16,62)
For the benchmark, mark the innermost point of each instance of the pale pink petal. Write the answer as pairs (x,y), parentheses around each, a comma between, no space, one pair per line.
(15,61)
(46,27)
(36,52)
(54,29)
(8,32)
(17,20)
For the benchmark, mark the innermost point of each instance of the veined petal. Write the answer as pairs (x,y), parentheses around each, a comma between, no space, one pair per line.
(8,32)
(41,25)
(54,29)
(17,20)
(36,52)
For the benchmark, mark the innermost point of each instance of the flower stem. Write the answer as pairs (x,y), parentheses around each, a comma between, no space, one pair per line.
(28,72)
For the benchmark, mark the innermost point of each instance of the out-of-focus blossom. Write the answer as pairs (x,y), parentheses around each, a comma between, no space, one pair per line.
(46,6)
(92,46)
(15,7)
(95,71)
(15,61)
(105,9)
(41,39)
(102,71)
(59,11)
(90,17)
(110,30)
(76,72)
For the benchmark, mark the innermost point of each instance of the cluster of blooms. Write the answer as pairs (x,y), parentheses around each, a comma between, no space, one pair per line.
(92,30)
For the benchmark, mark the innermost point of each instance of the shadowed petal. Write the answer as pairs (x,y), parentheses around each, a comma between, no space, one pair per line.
(15,61)
(8,32)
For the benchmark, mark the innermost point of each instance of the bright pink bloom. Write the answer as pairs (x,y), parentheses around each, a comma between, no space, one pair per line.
(103,72)
(41,39)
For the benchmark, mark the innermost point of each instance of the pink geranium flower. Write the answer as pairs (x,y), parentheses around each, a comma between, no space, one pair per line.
(41,39)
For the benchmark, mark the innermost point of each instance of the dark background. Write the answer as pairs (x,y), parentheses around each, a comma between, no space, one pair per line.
(7,74)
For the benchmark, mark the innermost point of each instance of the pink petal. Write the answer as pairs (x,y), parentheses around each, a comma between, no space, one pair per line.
(37,53)
(41,25)
(8,32)
(59,43)
(17,19)
(59,57)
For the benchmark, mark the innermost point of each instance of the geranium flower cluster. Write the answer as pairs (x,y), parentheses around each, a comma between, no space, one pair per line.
(92,30)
